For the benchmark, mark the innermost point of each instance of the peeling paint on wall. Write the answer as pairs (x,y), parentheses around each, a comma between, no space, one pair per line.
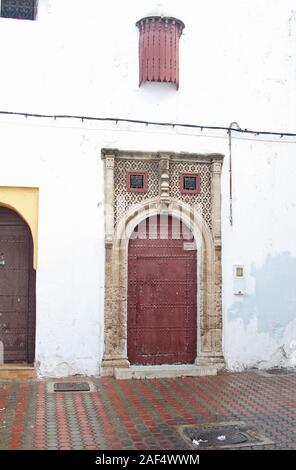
(273,302)
(263,324)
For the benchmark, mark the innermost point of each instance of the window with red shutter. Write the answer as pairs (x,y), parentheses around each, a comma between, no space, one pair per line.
(159,49)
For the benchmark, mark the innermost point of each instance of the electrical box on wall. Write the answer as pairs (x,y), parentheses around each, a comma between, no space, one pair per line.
(239,287)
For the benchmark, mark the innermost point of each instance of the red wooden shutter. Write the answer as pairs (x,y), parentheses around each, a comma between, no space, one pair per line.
(159,49)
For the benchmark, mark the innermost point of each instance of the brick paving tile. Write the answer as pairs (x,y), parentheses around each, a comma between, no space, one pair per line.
(145,414)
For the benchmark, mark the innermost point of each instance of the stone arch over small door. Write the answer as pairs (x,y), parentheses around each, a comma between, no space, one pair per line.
(208,310)
(17,288)
(162,293)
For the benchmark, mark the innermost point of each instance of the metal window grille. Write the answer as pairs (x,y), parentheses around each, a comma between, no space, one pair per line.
(136,181)
(19,9)
(189,183)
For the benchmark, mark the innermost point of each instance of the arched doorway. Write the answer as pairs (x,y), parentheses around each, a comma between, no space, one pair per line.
(17,288)
(162,293)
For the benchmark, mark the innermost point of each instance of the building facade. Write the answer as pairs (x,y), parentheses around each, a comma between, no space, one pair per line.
(159,236)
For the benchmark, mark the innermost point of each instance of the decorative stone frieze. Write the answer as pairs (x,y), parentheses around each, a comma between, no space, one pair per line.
(164,175)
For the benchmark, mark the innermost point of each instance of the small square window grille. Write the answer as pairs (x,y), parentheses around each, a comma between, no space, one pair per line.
(136,182)
(190,183)
(19,9)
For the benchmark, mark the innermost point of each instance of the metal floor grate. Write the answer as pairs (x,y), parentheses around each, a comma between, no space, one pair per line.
(279,371)
(223,435)
(274,371)
(71,387)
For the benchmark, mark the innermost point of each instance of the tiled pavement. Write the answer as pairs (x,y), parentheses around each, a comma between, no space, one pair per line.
(144,414)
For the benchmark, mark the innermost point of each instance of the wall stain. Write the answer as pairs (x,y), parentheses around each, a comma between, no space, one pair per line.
(274,299)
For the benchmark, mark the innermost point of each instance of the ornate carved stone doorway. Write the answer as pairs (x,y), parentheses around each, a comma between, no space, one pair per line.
(139,185)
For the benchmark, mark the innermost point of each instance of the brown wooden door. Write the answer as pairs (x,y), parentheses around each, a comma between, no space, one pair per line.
(162,292)
(17,288)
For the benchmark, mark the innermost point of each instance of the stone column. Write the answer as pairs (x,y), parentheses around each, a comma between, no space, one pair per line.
(113,355)
(216,168)
(211,353)
(109,196)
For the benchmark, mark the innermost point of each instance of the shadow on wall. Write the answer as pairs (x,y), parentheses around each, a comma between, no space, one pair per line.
(274,301)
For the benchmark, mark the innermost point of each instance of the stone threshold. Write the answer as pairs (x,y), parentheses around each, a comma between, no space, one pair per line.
(17,371)
(163,371)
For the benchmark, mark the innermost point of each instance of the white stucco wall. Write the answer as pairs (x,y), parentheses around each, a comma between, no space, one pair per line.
(237,63)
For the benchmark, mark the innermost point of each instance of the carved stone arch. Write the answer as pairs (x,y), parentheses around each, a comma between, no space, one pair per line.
(209,355)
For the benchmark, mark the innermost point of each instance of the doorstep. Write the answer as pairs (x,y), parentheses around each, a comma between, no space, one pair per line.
(163,371)
(17,371)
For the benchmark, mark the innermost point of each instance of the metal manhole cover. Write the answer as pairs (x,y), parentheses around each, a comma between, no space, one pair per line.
(274,371)
(222,435)
(216,436)
(71,387)
(279,371)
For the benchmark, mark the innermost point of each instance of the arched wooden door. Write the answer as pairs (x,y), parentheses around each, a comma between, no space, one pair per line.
(162,293)
(17,288)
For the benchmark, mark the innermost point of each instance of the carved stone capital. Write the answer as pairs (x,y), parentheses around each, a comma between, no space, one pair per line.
(109,152)
(218,241)
(109,161)
(108,241)
(217,167)
(164,163)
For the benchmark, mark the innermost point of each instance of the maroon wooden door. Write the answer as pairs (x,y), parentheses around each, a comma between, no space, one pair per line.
(17,289)
(162,293)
